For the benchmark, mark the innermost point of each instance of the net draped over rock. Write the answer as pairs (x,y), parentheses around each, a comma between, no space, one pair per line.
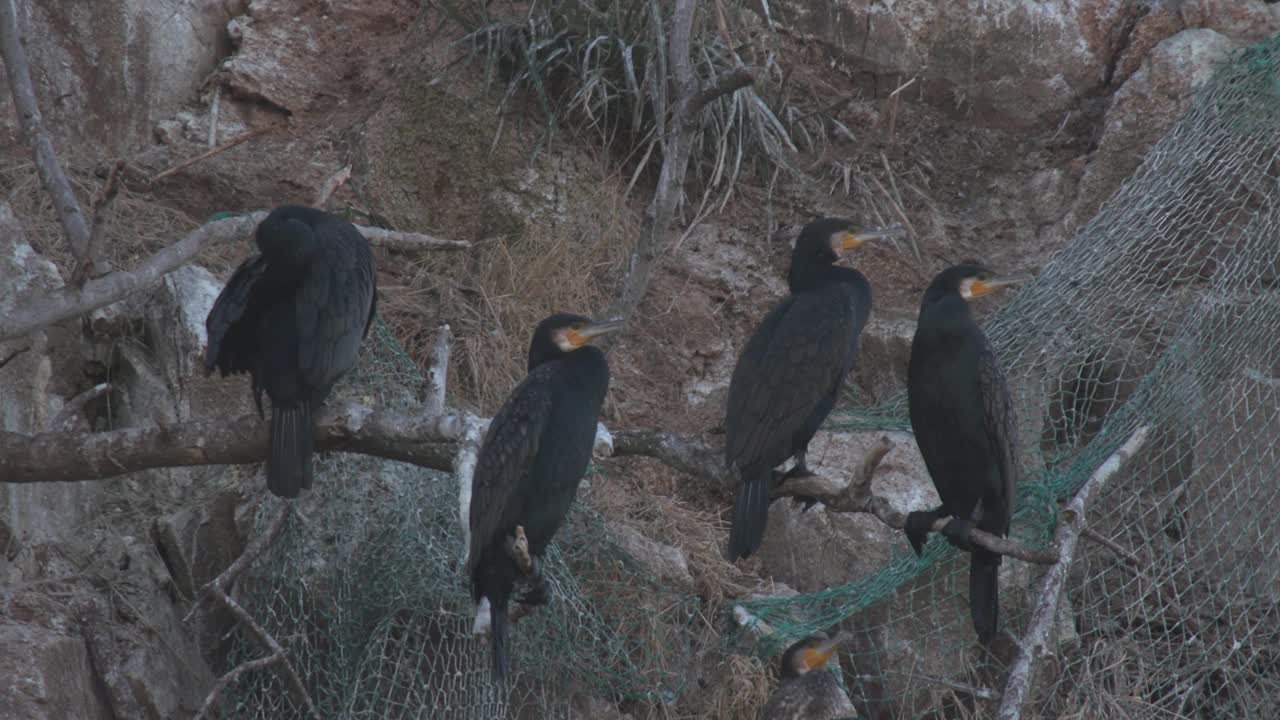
(1164,311)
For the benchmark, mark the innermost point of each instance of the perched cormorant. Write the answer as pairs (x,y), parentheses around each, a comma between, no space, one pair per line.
(293,318)
(532,458)
(791,371)
(807,690)
(965,427)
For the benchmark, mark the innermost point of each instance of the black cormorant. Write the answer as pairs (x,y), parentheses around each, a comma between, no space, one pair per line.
(293,318)
(790,371)
(807,690)
(532,458)
(965,427)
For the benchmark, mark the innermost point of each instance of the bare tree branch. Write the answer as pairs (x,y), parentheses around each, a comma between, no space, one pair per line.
(409,242)
(24,101)
(676,133)
(67,302)
(424,440)
(692,455)
(86,264)
(726,83)
(269,642)
(1035,642)
(211,700)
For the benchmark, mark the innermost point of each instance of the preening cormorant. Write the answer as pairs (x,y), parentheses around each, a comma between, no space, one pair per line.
(293,318)
(532,458)
(807,691)
(791,370)
(964,424)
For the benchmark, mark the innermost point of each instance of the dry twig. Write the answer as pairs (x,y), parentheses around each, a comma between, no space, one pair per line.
(77,403)
(208,154)
(1035,642)
(218,589)
(85,264)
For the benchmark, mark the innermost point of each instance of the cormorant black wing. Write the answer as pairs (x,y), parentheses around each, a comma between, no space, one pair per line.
(506,455)
(1000,421)
(230,348)
(334,305)
(803,347)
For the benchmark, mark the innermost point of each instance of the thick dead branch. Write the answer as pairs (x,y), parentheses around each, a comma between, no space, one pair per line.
(410,242)
(24,101)
(424,440)
(689,454)
(1035,642)
(692,455)
(69,302)
(856,497)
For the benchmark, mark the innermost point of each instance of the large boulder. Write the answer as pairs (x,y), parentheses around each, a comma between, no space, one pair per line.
(1143,109)
(106,72)
(1017,63)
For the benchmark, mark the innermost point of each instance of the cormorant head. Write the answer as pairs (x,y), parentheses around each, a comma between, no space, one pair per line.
(821,242)
(969,281)
(809,654)
(563,333)
(285,236)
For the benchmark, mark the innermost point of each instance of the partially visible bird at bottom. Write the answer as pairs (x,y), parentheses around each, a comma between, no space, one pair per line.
(293,317)
(533,456)
(790,372)
(807,690)
(964,424)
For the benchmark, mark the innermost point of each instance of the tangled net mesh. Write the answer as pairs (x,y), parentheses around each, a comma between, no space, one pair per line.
(1163,312)
(366,593)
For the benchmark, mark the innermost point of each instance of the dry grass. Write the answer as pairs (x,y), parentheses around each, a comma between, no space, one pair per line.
(498,290)
(141,223)
(748,683)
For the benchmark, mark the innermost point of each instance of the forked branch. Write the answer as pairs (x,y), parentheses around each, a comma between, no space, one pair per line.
(693,456)
(69,302)
(1035,642)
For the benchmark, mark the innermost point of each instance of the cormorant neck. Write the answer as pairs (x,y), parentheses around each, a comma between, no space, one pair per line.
(945,309)
(811,276)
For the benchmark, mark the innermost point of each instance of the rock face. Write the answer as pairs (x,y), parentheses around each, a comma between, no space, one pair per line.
(1143,108)
(46,673)
(1007,63)
(106,72)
